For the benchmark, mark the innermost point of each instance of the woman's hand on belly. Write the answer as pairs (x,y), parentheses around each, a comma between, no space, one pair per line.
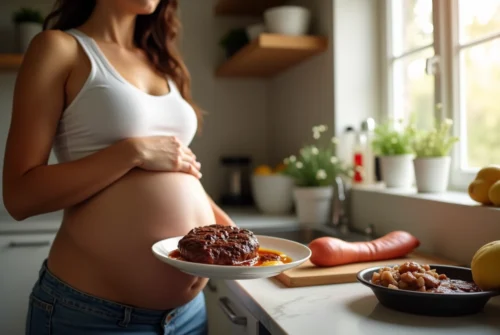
(165,153)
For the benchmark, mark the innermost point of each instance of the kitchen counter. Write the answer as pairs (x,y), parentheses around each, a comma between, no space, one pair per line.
(349,309)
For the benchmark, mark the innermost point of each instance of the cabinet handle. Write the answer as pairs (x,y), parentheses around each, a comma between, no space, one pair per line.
(238,320)
(211,286)
(32,244)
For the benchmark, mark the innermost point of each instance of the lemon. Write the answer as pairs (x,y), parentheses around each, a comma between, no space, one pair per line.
(478,190)
(263,170)
(490,173)
(485,266)
(494,194)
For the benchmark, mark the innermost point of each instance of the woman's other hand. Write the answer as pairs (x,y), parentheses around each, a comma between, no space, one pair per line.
(165,153)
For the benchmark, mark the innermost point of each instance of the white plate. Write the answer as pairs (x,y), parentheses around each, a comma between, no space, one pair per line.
(299,253)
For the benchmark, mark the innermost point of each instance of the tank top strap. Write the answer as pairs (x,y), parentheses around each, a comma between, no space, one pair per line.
(173,86)
(87,45)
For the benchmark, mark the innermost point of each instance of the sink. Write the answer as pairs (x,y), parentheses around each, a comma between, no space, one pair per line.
(305,235)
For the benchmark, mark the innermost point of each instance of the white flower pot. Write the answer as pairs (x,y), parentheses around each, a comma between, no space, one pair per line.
(432,174)
(26,32)
(273,194)
(397,171)
(313,204)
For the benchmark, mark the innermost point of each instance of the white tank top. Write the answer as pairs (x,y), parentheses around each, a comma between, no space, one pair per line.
(109,109)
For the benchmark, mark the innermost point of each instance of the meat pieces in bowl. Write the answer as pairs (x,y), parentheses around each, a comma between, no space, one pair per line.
(412,276)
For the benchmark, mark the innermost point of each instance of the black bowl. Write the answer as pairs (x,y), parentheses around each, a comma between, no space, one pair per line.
(431,304)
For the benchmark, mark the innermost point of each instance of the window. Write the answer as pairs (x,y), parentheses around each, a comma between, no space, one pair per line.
(412,43)
(448,52)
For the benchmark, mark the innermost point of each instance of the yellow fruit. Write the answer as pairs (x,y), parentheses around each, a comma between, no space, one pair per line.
(485,266)
(263,170)
(494,194)
(490,173)
(478,191)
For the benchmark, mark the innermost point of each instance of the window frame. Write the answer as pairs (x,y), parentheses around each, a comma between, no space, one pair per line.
(446,78)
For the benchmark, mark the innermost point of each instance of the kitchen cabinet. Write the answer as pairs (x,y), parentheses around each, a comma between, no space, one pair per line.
(226,315)
(21,256)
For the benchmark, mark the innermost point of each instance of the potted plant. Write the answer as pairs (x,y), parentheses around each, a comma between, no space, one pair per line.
(313,171)
(432,162)
(392,143)
(29,22)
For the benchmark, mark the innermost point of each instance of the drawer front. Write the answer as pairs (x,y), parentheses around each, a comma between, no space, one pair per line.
(20,259)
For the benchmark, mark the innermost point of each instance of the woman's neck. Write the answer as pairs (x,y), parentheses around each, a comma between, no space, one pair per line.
(110,25)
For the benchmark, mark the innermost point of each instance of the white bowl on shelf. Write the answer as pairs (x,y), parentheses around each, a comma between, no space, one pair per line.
(273,194)
(288,20)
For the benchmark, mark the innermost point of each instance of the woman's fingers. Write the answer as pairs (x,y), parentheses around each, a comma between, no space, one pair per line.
(190,157)
(187,166)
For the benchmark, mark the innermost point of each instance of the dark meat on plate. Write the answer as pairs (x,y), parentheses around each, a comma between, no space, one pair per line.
(220,245)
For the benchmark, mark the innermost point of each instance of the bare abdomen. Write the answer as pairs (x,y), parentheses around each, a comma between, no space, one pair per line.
(104,245)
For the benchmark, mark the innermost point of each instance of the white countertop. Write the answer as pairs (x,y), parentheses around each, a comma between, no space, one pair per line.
(349,309)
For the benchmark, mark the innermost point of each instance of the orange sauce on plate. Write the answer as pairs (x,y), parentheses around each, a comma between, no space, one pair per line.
(264,254)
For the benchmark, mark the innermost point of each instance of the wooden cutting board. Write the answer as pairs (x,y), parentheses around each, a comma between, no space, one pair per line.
(308,274)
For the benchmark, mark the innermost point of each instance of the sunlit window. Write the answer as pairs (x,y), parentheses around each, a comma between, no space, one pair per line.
(463,38)
(412,44)
(479,90)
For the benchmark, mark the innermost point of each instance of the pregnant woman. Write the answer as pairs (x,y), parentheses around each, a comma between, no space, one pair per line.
(105,87)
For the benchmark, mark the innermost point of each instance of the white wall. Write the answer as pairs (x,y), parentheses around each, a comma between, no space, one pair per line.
(237,120)
(454,230)
(357,84)
(339,87)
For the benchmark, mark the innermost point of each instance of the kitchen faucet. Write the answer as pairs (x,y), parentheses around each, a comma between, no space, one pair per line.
(340,218)
(340,210)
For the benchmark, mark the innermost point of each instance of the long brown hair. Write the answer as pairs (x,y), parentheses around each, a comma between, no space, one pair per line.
(157,34)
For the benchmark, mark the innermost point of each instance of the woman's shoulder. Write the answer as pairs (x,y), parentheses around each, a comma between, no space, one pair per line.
(54,41)
(52,46)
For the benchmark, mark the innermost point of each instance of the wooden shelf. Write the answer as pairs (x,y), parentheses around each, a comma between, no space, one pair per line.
(245,7)
(10,62)
(271,54)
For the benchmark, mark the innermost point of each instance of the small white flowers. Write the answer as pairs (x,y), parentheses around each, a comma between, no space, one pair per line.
(448,122)
(335,140)
(334,160)
(317,130)
(321,174)
(314,151)
(299,165)
(290,159)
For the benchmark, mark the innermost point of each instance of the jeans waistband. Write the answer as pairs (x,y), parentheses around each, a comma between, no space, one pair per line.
(65,294)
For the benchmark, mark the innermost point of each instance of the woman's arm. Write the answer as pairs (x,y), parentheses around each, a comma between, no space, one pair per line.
(220,216)
(30,187)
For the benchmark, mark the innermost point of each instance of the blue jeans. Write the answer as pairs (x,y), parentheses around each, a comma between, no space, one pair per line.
(55,308)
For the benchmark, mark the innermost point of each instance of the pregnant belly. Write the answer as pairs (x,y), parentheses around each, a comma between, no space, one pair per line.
(111,237)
